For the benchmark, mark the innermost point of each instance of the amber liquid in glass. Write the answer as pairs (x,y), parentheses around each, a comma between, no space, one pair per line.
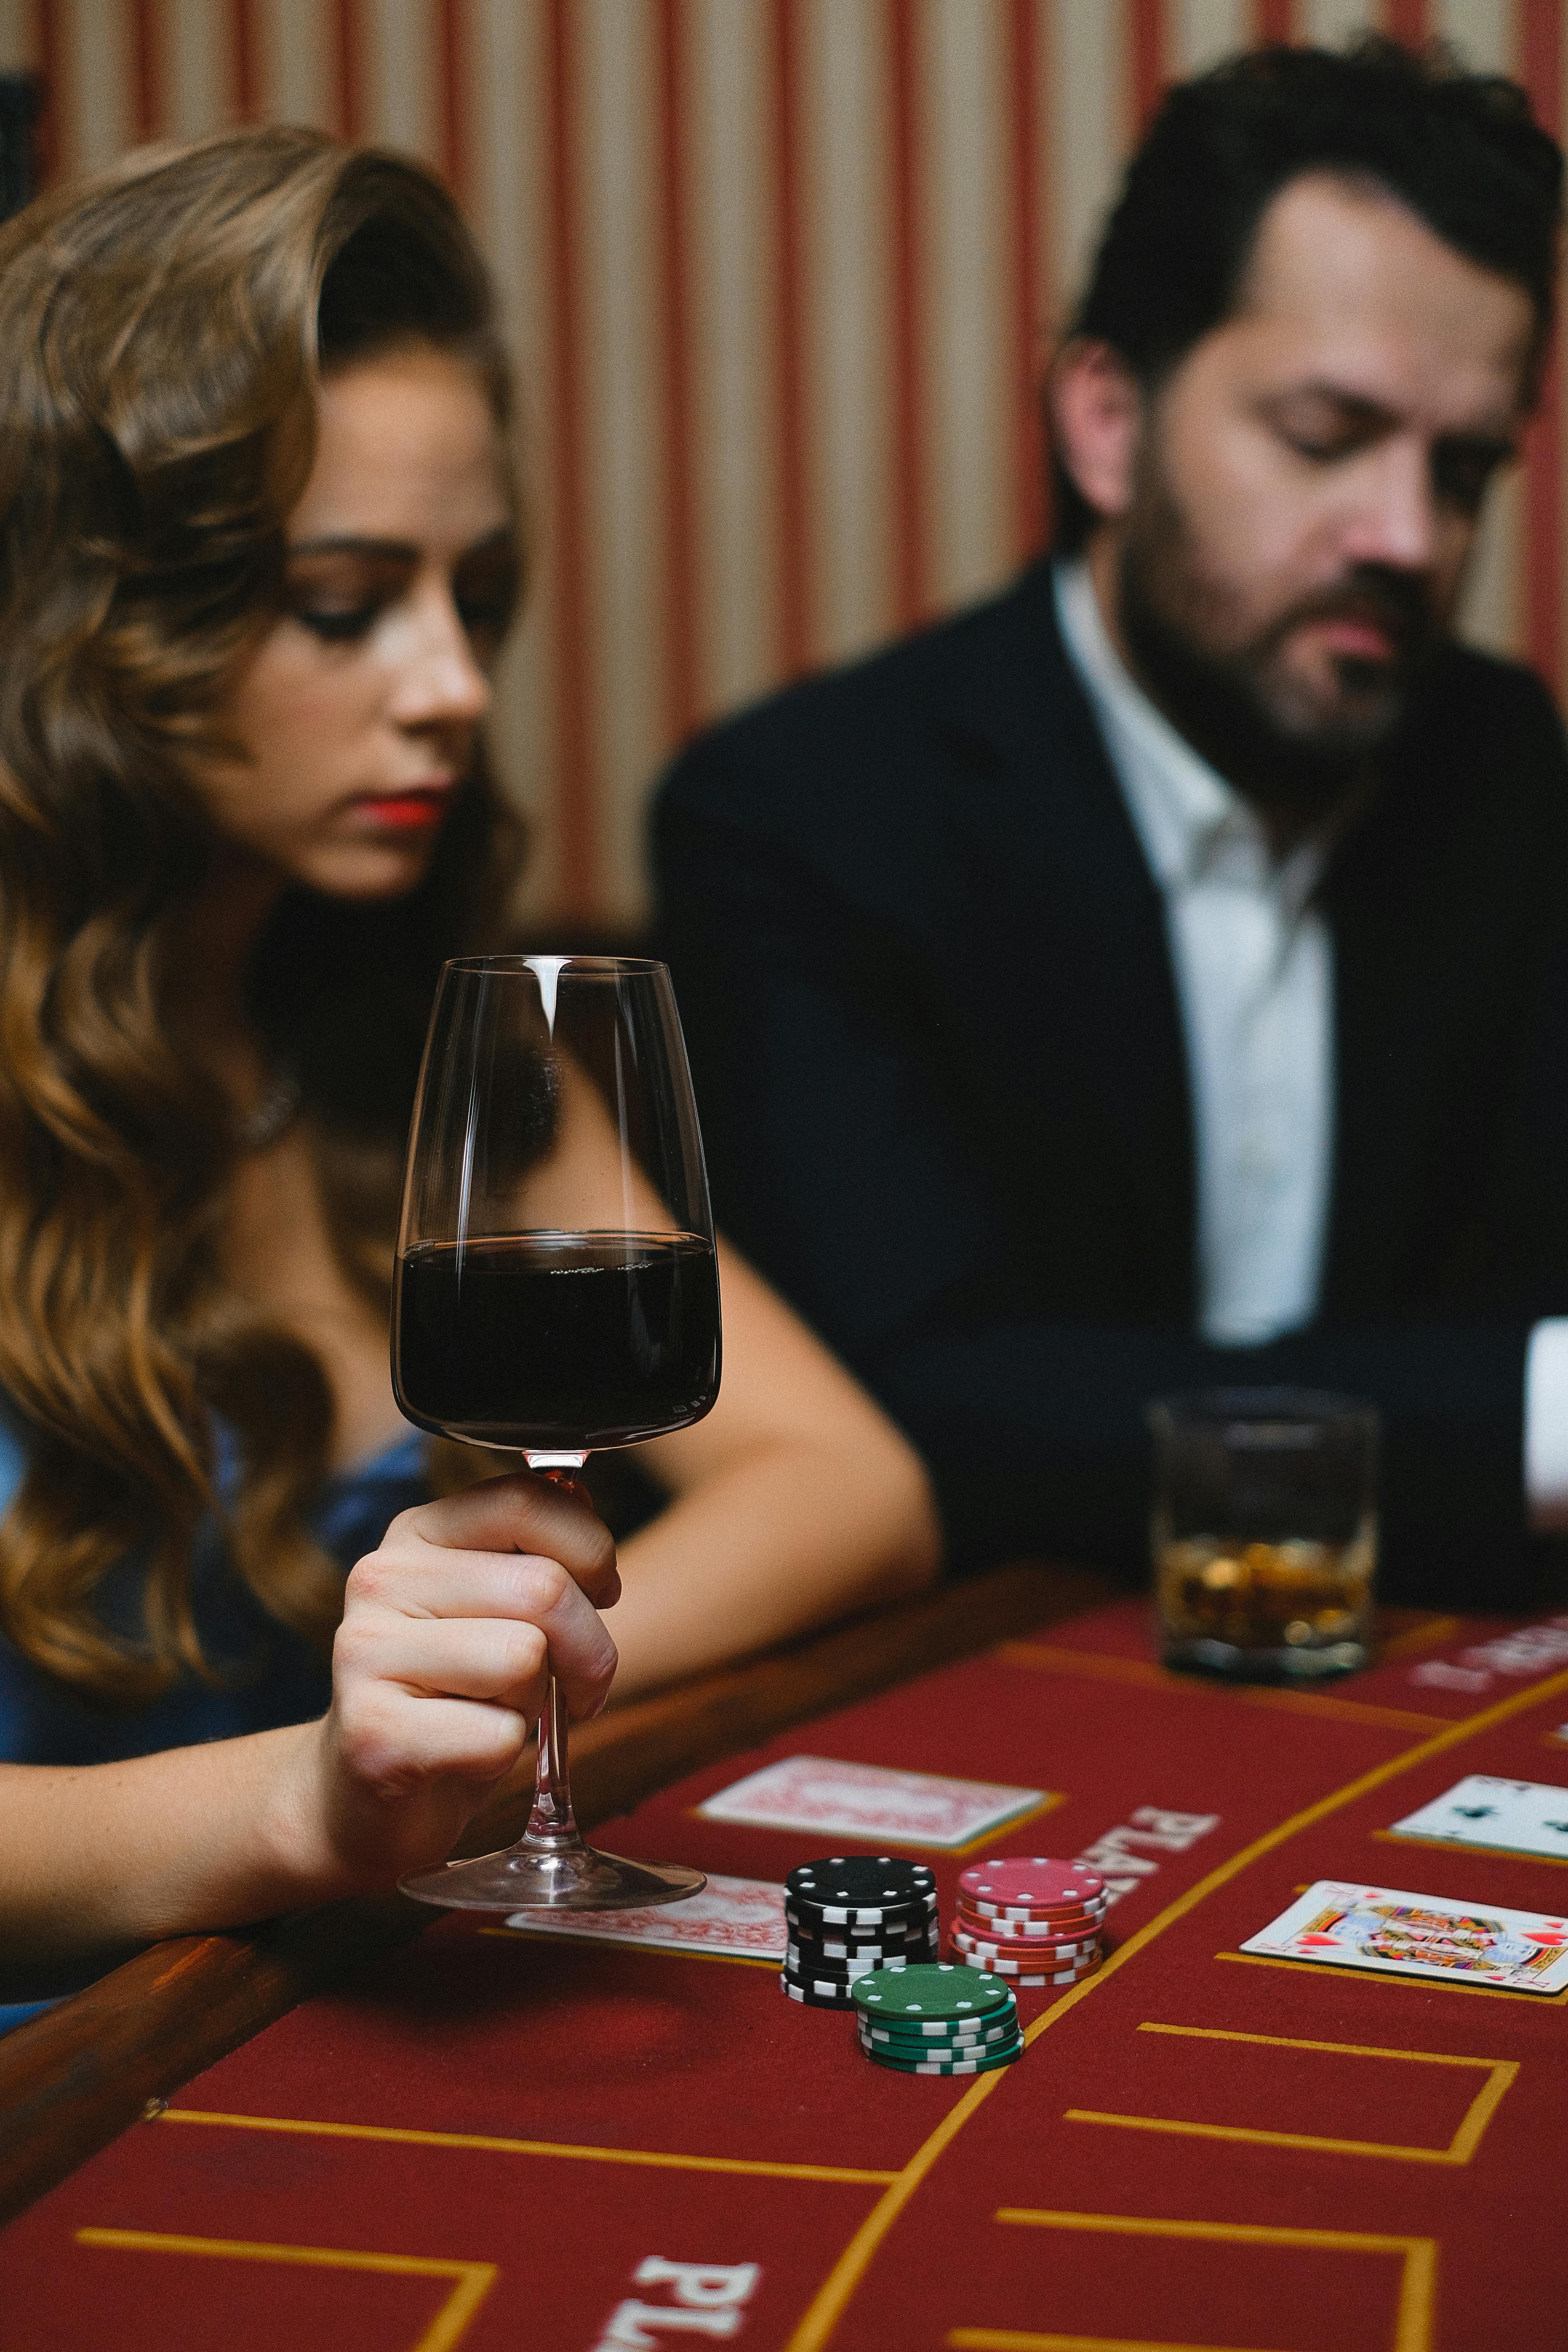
(1293,1594)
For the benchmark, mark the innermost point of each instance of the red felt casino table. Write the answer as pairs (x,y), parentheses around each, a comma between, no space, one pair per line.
(493,2139)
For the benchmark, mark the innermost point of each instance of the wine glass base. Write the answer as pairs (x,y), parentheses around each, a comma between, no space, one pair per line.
(573,1879)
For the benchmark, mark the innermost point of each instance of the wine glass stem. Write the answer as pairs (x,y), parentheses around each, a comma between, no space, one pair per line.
(552,1822)
(552,1825)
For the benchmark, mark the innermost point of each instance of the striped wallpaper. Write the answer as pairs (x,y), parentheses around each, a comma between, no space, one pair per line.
(781,276)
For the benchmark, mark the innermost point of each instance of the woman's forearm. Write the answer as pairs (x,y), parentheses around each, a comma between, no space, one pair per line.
(102,1857)
(438,1673)
(791,1534)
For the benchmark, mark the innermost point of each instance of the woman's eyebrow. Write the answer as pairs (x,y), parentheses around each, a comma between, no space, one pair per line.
(393,551)
(387,551)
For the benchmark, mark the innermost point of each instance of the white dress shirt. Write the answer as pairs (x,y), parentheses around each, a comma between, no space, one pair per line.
(1255,977)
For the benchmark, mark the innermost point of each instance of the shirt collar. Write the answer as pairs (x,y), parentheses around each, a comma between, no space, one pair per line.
(1194,826)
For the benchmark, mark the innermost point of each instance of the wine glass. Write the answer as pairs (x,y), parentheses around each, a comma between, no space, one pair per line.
(557,1291)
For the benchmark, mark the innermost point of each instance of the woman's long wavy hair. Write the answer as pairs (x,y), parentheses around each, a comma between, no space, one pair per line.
(163,330)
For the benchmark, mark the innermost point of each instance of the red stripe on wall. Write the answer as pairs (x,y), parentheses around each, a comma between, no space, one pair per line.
(680,521)
(1407,21)
(450,52)
(1028,243)
(243,64)
(794,637)
(908,566)
(1273,22)
(146,101)
(347,110)
(575,812)
(1146,59)
(1541,68)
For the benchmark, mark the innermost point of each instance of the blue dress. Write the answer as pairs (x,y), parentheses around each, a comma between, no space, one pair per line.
(271,1676)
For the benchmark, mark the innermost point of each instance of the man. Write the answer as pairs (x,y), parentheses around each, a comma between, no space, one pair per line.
(1154,978)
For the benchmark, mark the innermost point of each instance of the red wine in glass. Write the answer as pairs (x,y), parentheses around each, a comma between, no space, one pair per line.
(556,1292)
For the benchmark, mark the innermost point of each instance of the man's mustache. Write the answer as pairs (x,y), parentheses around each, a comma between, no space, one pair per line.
(1383,600)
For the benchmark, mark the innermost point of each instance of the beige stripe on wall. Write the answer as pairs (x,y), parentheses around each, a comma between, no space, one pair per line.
(733,256)
(896,413)
(294,45)
(966,248)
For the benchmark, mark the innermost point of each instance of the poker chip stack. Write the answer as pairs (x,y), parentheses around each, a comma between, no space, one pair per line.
(937,2019)
(1033,1921)
(850,1916)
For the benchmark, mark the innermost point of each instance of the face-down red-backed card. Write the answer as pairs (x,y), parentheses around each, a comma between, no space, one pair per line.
(743,1918)
(826,1798)
(1352,1925)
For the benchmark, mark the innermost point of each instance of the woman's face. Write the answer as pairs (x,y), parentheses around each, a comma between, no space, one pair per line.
(358,710)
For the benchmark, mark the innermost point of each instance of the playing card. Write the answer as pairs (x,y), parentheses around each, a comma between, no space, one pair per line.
(868,1802)
(1524,1816)
(742,1917)
(1383,1927)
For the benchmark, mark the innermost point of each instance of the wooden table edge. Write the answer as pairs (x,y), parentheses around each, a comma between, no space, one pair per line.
(72,2079)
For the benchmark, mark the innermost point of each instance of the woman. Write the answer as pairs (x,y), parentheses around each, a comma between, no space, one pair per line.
(260,544)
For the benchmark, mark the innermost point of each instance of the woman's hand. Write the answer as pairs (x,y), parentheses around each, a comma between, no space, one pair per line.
(438,1669)
(437,1677)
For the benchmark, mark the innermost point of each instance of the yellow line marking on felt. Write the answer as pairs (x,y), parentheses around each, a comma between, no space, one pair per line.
(1417,1637)
(1047,1804)
(1499,2075)
(1386,1979)
(474,2279)
(1024,2340)
(1466,1845)
(629,1943)
(1413,2319)
(489,2142)
(828,2304)
(1042,1659)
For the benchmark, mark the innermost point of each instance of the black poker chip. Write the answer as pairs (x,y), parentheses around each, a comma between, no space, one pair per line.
(848,1943)
(863,1890)
(815,1993)
(802,1965)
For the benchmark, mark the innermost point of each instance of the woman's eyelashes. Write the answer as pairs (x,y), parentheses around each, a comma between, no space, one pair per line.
(483,589)
(334,624)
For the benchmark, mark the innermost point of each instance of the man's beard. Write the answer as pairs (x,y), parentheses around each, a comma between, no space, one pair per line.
(1253,722)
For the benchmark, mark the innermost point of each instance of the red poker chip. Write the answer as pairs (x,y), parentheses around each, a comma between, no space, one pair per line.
(1034,1910)
(1030,1931)
(1031,1882)
(1033,1956)
(1029,1979)
(1009,1923)
(1071,1955)
(1015,1931)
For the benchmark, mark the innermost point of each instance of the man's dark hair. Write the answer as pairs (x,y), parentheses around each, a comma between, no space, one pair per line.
(1463,150)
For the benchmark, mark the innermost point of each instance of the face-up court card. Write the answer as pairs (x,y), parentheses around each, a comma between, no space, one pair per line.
(1522,1816)
(743,1917)
(866,1802)
(1382,1927)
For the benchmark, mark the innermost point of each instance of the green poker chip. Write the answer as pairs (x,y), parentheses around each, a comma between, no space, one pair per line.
(944,2054)
(985,2065)
(943,2042)
(936,1990)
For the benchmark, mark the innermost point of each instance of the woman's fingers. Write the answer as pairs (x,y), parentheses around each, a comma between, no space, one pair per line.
(520,1513)
(450,1630)
(399,1747)
(500,1660)
(473,1624)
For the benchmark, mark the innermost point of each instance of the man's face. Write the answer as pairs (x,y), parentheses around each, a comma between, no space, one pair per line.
(1307,485)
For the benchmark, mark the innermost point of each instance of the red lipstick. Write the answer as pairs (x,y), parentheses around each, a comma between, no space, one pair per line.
(414,812)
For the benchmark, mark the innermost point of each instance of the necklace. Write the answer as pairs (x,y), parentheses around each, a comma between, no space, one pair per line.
(273,1115)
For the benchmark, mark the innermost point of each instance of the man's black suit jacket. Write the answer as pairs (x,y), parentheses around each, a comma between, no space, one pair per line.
(933,1026)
